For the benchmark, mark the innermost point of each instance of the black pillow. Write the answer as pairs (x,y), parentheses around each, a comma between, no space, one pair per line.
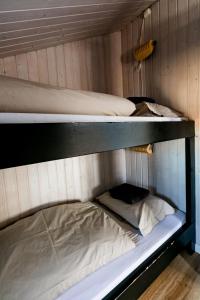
(137,100)
(128,193)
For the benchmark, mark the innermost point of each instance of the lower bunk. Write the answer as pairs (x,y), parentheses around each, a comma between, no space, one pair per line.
(138,281)
(81,251)
(99,284)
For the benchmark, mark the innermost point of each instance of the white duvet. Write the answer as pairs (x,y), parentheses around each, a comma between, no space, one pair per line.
(23,96)
(43,255)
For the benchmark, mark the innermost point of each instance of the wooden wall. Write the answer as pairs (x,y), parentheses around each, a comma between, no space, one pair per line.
(85,64)
(61,65)
(163,172)
(24,189)
(77,65)
(172,77)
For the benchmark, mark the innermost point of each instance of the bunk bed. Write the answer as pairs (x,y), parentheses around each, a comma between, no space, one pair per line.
(69,139)
(34,137)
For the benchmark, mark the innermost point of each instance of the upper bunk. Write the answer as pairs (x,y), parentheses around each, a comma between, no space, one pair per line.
(27,143)
(41,123)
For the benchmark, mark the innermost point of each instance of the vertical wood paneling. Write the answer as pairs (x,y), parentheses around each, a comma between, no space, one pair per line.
(11,188)
(129,57)
(83,177)
(33,74)
(42,169)
(103,61)
(136,73)
(61,180)
(137,168)
(3,200)
(181,53)
(180,174)
(155,21)
(34,187)
(113,66)
(77,65)
(88,58)
(148,67)
(94,63)
(83,64)
(43,66)
(172,46)
(1,66)
(193,59)
(52,67)
(174,81)
(52,181)
(22,66)
(77,176)
(10,66)
(124,62)
(60,61)
(68,65)
(143,66)
(23,188)
(27,188)
(164,47)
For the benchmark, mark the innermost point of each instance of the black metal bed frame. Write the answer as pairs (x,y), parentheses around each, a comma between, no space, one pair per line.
(23,144)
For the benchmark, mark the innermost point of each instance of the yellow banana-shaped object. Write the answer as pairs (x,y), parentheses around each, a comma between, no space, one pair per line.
(148,149)
(144,51)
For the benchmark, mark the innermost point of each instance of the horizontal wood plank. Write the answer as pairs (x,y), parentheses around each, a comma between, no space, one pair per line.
(14,34)
(38,14)
(60,34)
(9,5)
(41,44)
(26,24)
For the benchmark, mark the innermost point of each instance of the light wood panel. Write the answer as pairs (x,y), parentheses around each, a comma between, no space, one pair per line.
(163,172)
(171,76)
(180,280)
(66,10)
(51,41)
(31,25)
(9,5)
(28,188)
(113,65)
(77,65)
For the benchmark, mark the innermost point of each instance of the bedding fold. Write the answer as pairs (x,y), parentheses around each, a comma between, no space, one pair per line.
(50,251)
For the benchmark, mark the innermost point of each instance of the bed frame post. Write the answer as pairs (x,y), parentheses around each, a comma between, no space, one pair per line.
(190,185)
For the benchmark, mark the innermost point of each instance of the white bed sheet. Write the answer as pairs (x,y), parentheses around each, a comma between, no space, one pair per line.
(100,283)
(13,118)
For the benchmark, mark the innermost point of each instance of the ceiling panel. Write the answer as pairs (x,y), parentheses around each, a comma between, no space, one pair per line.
(27,25)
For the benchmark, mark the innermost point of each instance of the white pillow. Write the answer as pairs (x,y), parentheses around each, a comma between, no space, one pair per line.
(143,215)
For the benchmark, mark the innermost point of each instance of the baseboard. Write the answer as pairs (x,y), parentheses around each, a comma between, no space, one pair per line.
(197,248)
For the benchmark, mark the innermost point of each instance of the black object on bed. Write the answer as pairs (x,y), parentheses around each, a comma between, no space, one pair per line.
(137,100)
(34,143)
(128,193)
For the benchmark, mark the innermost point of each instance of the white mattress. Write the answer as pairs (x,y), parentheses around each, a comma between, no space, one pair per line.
(13,118)
(100,283)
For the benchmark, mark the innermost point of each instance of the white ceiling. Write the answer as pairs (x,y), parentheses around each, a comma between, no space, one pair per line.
(27,25)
